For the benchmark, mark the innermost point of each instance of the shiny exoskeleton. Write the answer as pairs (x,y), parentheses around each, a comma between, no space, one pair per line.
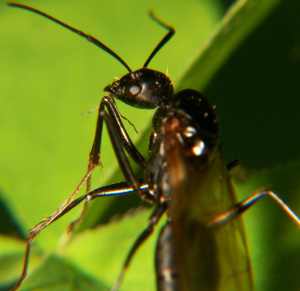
(189,181)
(185,126)
(201,246)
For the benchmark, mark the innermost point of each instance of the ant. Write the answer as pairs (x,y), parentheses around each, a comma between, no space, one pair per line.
(184,167)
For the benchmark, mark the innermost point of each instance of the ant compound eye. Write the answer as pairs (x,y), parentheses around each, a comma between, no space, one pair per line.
(134,90)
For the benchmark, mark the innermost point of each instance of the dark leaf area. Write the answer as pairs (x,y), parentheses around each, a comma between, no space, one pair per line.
(257,93)
(56,273)
(9,224)
(257,96)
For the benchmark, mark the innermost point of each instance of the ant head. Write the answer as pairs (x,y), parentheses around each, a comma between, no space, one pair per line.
(144,88)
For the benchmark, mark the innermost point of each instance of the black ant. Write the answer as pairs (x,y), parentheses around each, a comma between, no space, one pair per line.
(184,167)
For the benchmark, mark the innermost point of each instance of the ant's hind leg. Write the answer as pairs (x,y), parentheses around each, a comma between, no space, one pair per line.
(241,207)
(144,235)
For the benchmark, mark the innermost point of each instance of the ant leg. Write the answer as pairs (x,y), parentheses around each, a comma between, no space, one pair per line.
(239,208)
(119,189)
(145,234)
(108,107)
(122,158)
(108,110)
(93,162)
(120,140)
(126,141)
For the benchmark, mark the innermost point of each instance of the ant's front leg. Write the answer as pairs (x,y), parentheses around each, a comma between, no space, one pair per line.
(121,142)
(108,114)
(108,111)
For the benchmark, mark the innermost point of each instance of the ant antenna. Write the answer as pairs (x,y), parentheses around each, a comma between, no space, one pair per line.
(88,37)
(164,40)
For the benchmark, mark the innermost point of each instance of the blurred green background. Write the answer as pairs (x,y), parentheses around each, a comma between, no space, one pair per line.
(51,84)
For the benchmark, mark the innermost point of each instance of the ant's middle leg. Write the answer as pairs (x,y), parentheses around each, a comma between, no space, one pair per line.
(119,189)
